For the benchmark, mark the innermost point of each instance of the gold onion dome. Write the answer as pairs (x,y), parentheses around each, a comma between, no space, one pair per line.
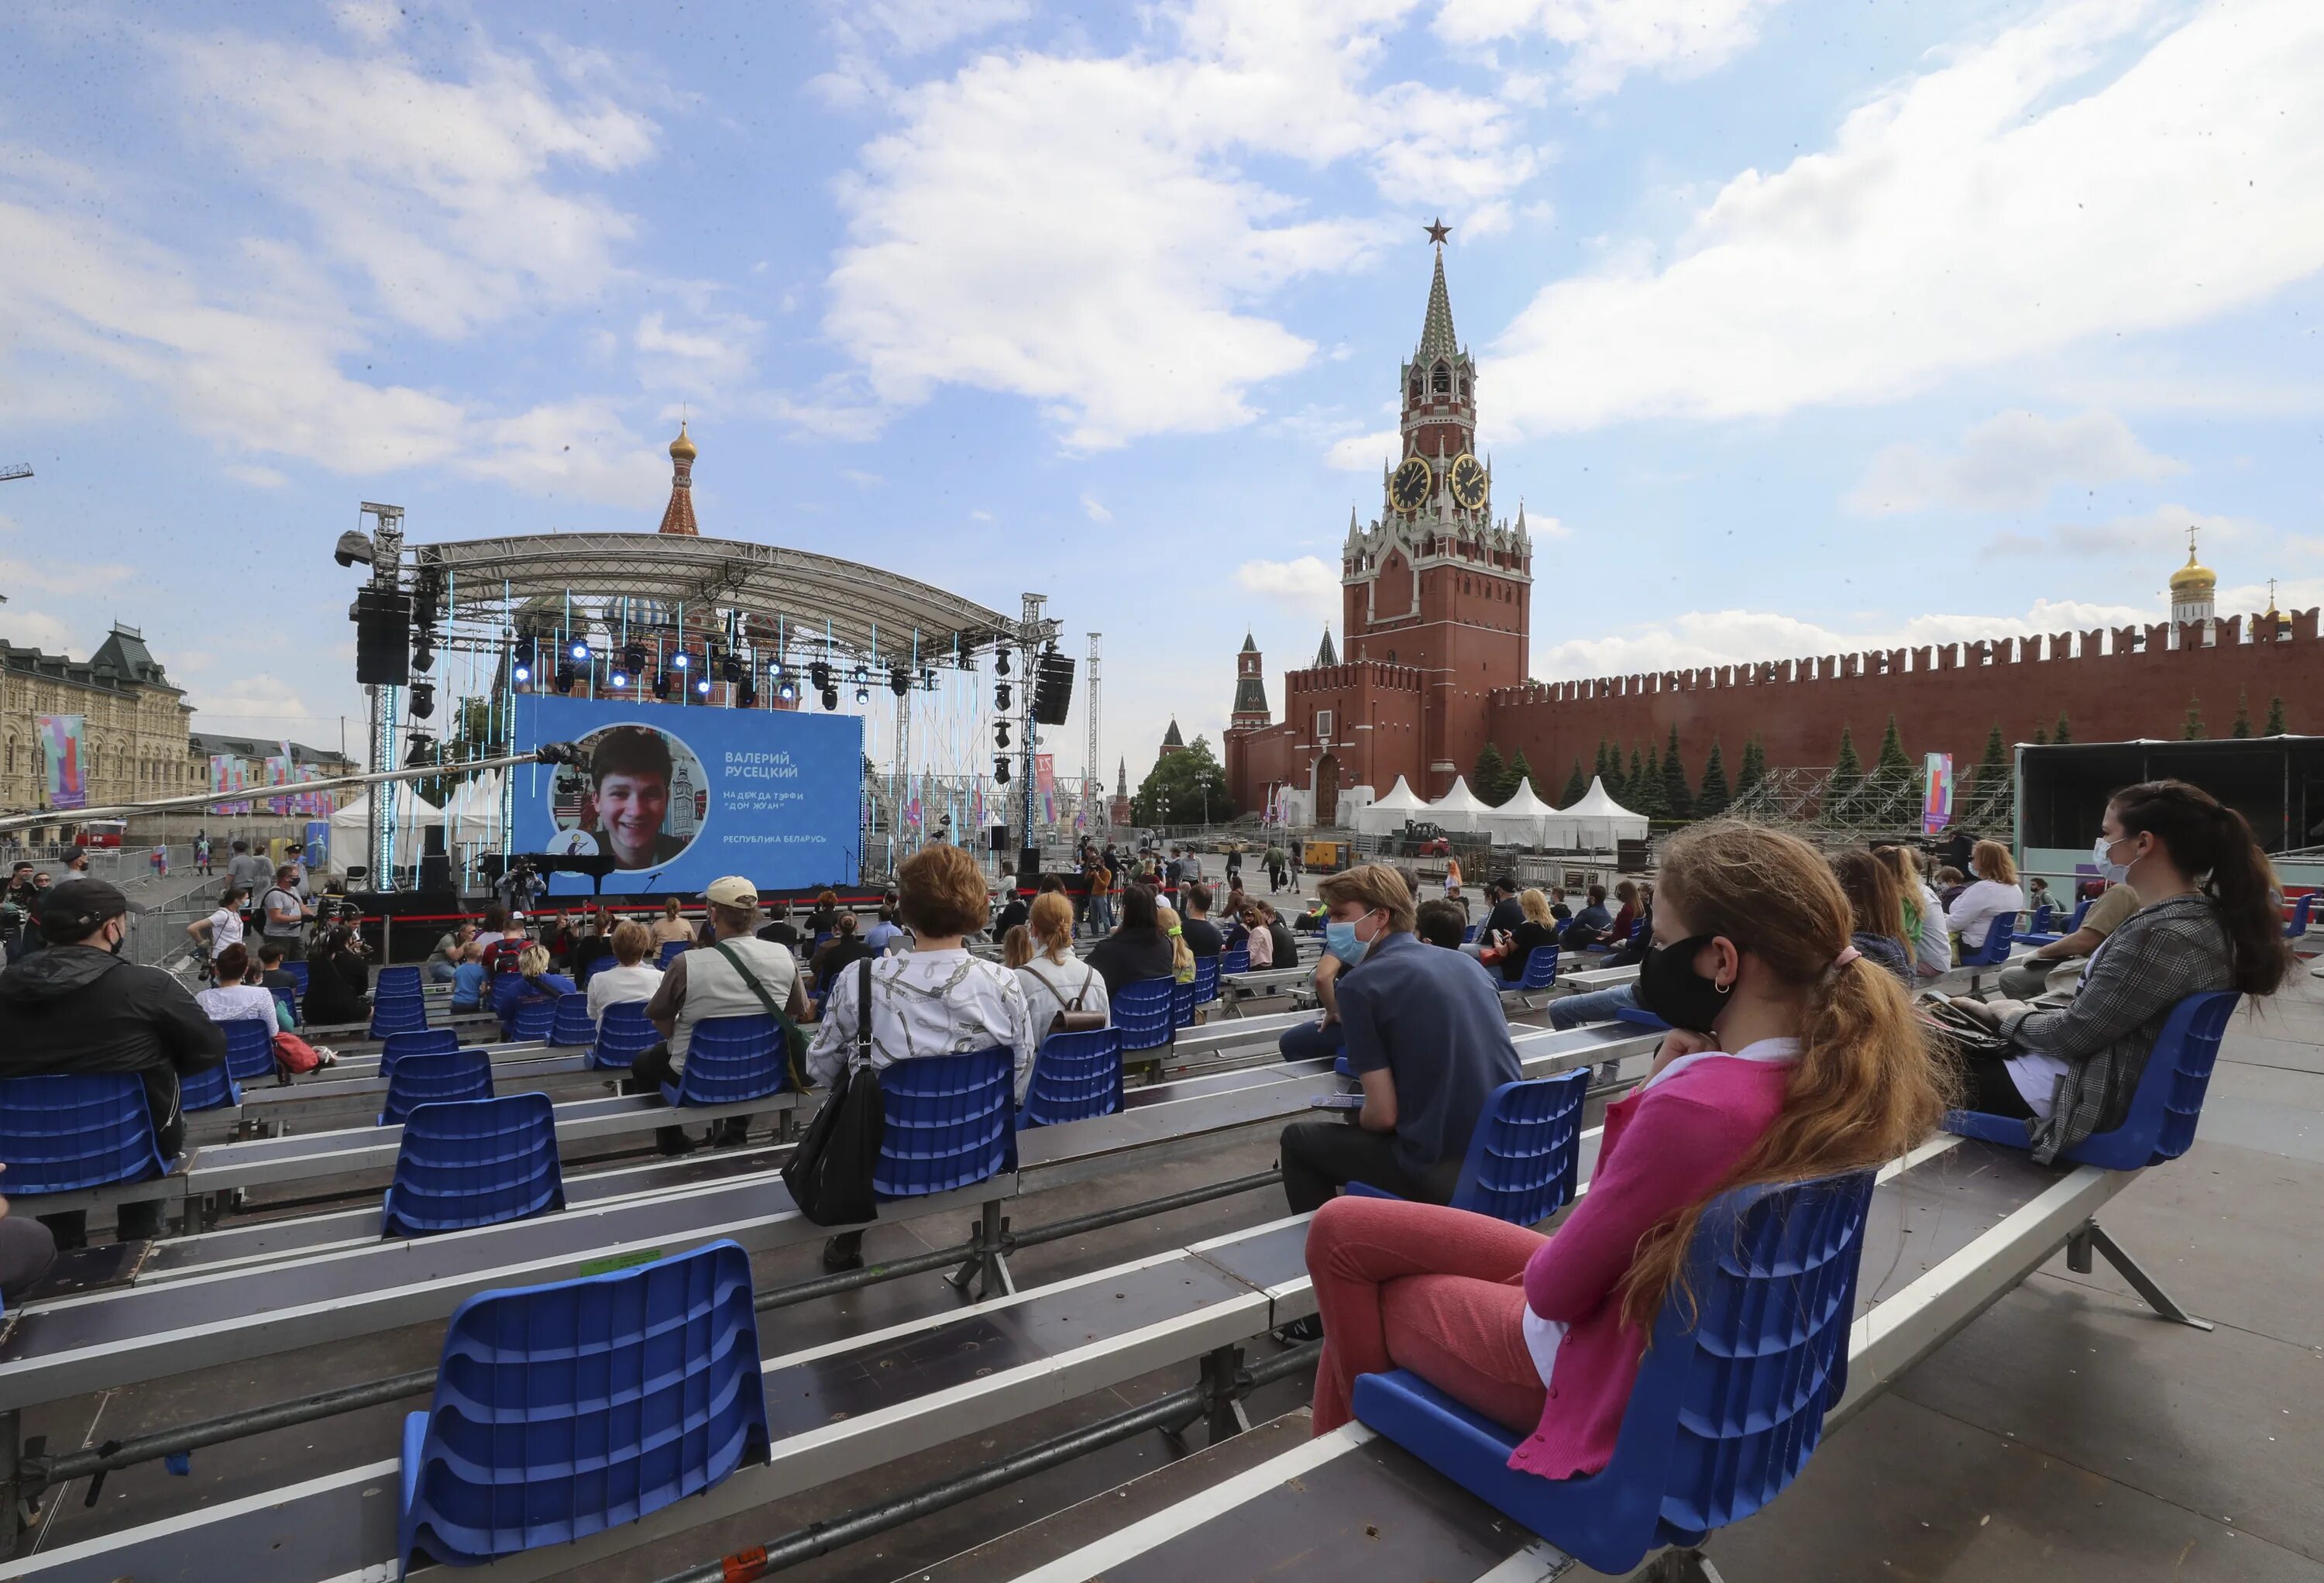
(2193,576)
(681,450)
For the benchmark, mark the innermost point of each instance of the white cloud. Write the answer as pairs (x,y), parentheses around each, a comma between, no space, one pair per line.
(1547,527)
(1365,453)
(1991,209)
(2157,537)
(1731,637)
(2009,462)
(1605,40)
(715,352)
(1307,585)
(1094,509)
(256,476)
(258,703)
(1126,307)
(916,26)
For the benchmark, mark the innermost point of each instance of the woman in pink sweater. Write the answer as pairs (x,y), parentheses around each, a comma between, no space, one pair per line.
(1791,1057)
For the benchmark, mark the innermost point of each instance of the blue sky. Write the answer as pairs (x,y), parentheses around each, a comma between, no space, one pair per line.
(1803,325)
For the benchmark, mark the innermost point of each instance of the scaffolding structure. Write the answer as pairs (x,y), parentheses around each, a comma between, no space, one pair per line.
(1832,811)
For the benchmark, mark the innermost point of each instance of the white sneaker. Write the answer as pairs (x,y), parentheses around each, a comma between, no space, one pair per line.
(326,1056)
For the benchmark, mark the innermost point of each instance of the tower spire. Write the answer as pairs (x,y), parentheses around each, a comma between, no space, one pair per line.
(1436,337)
(678,516)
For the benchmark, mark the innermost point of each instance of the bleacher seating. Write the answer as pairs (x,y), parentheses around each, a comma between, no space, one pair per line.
(1075,1076)
(249,1050)
(1540,974)
(1182,1005)
(65,1130)
(729,1059)
(624,1035)
(1999,935)
(209,1088)
(473,1162)
(423,1079)
(671,949)
(397,1015)
(426,1042)
(289,1001)
(1143,1014)
(1729,1400)
(2298,926)
(1237,959)
(647,1378)
(298,971)
(1206,980)
(395,983)
(950,1121)
(570,1025)
(2041,934)
(1525,1156)
(2163,1109)
(530,1022)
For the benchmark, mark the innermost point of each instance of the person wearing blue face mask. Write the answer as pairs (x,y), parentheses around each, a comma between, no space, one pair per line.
(1426,1035)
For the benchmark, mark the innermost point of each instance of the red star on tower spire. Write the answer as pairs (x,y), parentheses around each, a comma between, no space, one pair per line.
(1438,230)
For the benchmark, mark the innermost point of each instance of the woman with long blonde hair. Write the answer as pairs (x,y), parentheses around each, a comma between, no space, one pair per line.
(1182,957)
(1791,1057)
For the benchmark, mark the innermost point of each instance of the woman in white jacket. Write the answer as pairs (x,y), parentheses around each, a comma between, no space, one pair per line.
(1995,894)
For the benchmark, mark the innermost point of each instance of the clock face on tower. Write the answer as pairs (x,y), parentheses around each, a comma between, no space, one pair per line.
(1409,487)
(1468,481)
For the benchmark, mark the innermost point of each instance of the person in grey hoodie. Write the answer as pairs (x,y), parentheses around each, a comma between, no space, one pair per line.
(78,1007)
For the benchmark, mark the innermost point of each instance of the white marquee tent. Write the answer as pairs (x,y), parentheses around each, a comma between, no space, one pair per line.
(348,834)
(1387,815)
(1460,809)
(1520,822)
(1595,823)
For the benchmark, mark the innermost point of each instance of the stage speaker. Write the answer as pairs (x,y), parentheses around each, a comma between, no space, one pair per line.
(434,873)
(383,619)
(1028,866)
(998,837)
(1053,689)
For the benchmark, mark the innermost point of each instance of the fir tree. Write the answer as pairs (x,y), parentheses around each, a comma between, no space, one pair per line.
(1521,773)
(1598,766)
(1576,788)
(1489,779)
(1893,759)
(2062,735)
(1676,794)
(2041,736)
(2242,727)
(1647,794)
(1754,768)
(1848,770)
(1711,800)
(2275,725)
(1633,791)
(2191,729)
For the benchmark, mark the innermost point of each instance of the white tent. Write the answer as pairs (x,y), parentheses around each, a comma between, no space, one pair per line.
(1595,823)
(1387,815)
(472,817)
(412,814)
(1518,822)
(1460,809)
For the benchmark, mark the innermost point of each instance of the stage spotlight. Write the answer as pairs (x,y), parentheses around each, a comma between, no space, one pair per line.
(564,678)
(862,695)
(520,659)
(1000,662)
(787,691)
(618,679)
(831,697)
(423,700)
(746,693)
(899,681)
(1000,733)
(701,685)
(1001,696)
(730,668)
(820,675)
(580,651)
(634,659)
(661,685)
(423,651)
(1000,771)
(421,752)
(680,660)
(354,549)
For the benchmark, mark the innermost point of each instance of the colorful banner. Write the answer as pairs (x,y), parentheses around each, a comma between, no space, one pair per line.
(62,749)
(1937,806)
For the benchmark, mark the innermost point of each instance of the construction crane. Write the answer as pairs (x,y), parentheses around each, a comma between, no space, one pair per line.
(16,470)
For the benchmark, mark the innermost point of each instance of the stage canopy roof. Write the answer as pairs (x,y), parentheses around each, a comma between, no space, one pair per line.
(864,609)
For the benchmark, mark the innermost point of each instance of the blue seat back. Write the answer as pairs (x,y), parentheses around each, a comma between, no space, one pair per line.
(298,971)
(2074,920)
(1468,934)
(72,1130)
(2300,910)
(2164,1107)
(401,1013)
(1729,1403)
(2041,923)
(624,1035)
(1142,1013)
(467,1163)
(1540,968)
(210,1088)
(1182,1005)
(1237,959)
(731,1059)
(426,1042)
(530,1021)
(1206,980)
(1075,1076)
(1526,1156)
(950,1121)
(426,1079)
(397,982)
(249,1050)
(1998,942)
(289,1000)
(671,949)
(569,1024)
(563,1410)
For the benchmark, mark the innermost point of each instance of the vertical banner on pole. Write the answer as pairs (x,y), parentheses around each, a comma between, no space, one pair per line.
(1937,806)
(61,752)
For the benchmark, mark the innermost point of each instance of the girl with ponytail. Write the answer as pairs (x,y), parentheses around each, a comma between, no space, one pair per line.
(2206,920)
(1791,1057)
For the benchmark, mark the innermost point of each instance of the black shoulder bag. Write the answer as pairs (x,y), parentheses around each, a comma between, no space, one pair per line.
(829,1175)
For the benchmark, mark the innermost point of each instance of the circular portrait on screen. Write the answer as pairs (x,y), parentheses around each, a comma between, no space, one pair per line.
(643,797)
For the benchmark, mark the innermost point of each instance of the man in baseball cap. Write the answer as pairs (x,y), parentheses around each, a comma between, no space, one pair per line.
(738,976)
(76,1007)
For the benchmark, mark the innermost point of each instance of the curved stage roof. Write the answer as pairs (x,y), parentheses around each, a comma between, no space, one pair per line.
(869,611)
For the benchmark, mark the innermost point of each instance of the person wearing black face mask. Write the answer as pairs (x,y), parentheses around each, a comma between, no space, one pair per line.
(78,1007)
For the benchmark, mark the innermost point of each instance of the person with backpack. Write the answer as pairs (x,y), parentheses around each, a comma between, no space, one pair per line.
(1062,993)
(283,915)
(737,974)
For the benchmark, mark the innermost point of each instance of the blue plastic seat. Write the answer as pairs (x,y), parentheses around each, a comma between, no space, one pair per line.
(1524,1158)
(671,949)
(67,1130)
(729,1059)
(473,1162)
(1729,1399)
(2038,938)
(289,1001)
(397,1015)
(570,1025)
(1237,959)
(2037,931)
(439,1076)
(2164,1108)
(298,971)
(249,1050)
(1206,980)
(426,1042)
(2299,912)
(529,1022)
(397,982)
(565,1410)
(1540,970)
(951,1121)
(210,1088)
(1075,1076)
(1142,1013)
(624,1035)
(1998,938)
(1182,1005)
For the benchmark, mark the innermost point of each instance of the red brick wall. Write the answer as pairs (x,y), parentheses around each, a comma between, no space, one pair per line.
(1375,732)
(1945,700)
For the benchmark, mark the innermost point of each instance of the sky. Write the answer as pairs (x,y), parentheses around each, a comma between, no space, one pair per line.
(1802,324)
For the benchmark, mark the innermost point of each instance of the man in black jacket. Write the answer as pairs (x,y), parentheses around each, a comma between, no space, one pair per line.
(78,1007)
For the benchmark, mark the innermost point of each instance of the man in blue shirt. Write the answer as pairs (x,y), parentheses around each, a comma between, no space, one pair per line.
(1590,925)
(1425,1034)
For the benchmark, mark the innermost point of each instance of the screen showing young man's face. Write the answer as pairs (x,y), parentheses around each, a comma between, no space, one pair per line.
(631,807)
